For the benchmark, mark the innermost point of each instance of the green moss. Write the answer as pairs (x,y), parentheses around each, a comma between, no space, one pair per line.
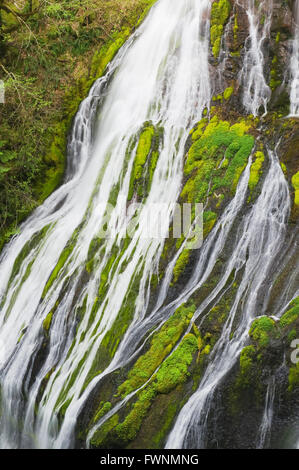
(247,359)
(145,161)
(47,321)
(261,330)
(256,170)
(228,92)
(180,265)
(102,410)
(284,168)
(236,27)
(175,369)
(291,315)
(161,345)
(216,159)
(295,183)
(292,335)
(127,430)
(142,153)
(294,377)
(173,372)
(219,15)
(209,220)
(98,439)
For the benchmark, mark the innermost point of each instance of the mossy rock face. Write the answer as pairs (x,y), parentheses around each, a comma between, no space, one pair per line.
(219,15)
(145,160)
(218,155)
(171,376)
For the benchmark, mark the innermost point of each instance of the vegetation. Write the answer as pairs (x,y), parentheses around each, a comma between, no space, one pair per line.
(219,16)
(217,158)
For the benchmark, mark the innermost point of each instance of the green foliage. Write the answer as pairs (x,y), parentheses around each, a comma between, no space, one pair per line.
(216,159)
(127,430)
(291,315)
(261,330)
(219,15)
(100,435)
(47,321)
(295,183)
(228,92)
(145,161)
(161,345)
(103,409)
(175,369)
(247,359)
(256,170)
(180,265)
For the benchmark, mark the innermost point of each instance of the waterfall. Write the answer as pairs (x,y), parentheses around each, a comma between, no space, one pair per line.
(262,236)
(161,76)
(69,274)
(256,92)
(266,423)
(294,94)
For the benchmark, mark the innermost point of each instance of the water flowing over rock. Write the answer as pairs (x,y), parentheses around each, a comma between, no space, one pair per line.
(116,341)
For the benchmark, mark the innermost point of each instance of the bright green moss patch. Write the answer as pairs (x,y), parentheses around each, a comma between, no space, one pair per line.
(100,435)
(180,265)
(102,410)
(209,220)
(219,15)
(228,93)
(175,369)
(291,315)
(295,183)
(247,359)
(127,430)
(173,372)
(256,170)
(161,345)
(261,330)
(47,321)
(236,27)
(146,157)
(216,159)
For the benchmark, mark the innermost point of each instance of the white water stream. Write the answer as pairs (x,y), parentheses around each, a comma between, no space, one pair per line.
(294,94)
(160,75)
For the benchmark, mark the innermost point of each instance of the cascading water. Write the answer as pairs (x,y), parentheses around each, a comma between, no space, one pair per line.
(161,75)
(256,91)
(268,415)
(294,94)
(63,286)
(262,232)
